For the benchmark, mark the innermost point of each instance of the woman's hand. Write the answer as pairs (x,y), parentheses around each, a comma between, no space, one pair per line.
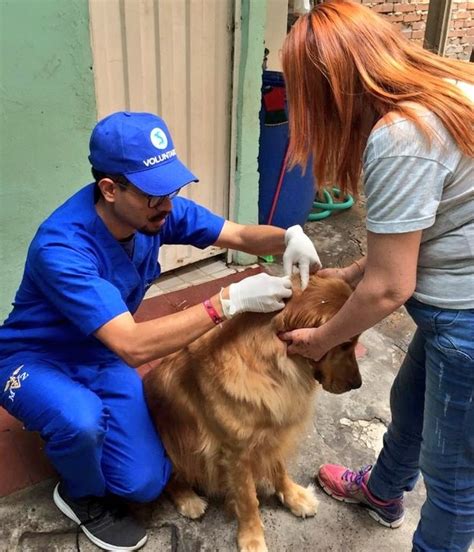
(351,274)
(304,342)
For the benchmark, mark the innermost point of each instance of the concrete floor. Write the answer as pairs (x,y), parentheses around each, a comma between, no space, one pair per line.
(346,428)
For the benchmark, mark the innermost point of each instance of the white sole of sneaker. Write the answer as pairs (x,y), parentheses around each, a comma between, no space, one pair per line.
(66,510)
(392,525)
(374,515)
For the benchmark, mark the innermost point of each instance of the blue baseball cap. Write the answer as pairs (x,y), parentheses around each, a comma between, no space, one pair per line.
(138,146)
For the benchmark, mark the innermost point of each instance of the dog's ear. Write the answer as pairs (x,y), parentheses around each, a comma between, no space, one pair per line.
(278,321)
(314,306)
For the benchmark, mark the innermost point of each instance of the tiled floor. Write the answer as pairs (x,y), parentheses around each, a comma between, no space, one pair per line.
(23,459)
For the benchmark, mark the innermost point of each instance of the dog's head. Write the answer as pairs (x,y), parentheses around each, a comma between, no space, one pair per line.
(337,371)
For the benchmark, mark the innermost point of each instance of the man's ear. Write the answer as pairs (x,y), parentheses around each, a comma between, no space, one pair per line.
(108,189)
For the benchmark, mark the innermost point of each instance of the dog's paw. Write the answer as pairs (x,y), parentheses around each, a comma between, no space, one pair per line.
(192,507)
(302,502)
(252,545)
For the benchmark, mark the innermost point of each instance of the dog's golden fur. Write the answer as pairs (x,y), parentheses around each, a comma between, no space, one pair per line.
(231,407)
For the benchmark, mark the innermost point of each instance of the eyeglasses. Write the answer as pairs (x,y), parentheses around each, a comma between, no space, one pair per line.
(153,201)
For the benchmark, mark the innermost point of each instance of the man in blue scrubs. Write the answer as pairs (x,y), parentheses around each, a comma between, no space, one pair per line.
(69,347)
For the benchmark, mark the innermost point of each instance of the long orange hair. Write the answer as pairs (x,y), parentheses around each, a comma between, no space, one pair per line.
(345,67)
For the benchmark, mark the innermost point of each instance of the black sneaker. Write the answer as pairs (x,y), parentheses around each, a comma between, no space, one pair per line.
(106,524)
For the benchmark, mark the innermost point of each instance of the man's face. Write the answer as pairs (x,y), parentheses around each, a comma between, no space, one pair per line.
(137,211)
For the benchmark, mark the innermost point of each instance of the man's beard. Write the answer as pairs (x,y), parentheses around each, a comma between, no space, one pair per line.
(155,218)
(147,232)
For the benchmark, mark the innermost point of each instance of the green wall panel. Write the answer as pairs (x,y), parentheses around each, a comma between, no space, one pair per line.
(47,110)
(245,208)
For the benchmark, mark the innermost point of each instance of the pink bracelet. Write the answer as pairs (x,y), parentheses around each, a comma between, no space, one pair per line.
(211,311)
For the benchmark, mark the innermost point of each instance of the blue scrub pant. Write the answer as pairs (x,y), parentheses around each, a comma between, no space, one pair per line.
(95,422)
(432,429)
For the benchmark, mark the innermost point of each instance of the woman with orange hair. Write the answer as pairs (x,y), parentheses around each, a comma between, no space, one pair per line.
(364,101)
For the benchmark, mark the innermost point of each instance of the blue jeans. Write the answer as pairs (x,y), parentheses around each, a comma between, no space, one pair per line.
(432,429)
(95,422)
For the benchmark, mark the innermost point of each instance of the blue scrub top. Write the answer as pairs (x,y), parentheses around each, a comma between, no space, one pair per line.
(78,277)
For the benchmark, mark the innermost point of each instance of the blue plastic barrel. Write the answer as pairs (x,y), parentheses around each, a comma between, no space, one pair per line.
(291,202)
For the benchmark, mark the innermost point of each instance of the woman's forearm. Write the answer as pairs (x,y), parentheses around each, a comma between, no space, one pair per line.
(389,279)
(369,304)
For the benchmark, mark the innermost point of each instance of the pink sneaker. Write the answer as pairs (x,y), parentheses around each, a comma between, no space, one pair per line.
(349,486)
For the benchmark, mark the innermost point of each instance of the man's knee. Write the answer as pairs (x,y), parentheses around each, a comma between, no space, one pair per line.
(145,485)
(82,428)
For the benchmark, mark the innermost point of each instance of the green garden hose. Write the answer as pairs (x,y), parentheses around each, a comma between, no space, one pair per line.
(327,206)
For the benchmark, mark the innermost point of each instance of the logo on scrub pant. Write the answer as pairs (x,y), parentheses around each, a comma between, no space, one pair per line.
(14,382)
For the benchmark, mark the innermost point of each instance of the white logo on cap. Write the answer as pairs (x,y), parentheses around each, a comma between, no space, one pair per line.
(158,138)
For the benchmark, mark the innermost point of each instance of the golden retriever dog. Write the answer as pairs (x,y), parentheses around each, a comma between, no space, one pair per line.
(232,406)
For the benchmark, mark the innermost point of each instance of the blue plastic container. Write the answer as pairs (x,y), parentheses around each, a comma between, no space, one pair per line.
(293,201)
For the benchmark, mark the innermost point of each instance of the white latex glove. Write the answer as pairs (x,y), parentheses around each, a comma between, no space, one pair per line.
(259,293)
(299,251)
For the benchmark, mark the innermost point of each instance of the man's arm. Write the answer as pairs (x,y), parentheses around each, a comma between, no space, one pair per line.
(140,342)
(137,343)
(256,239)
(296,247)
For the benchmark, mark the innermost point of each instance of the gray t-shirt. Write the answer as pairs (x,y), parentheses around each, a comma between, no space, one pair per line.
(412,185)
